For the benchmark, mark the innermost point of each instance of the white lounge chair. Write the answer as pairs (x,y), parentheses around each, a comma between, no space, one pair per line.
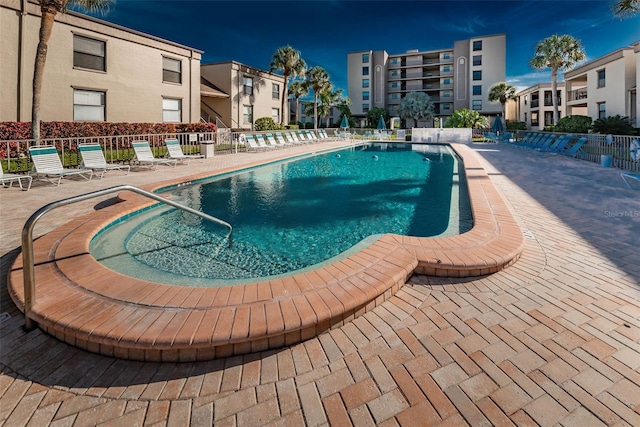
(271,141)
(10,178)
(93,158)
(144,156)
(175,151)
(47,165)
(262,143)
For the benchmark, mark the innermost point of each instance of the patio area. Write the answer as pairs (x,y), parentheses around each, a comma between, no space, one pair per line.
(551,340)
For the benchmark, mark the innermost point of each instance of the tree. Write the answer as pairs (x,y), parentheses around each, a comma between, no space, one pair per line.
(557,53)
(466,118)
(502,92)
(297,90)
(318,81)
(49,9)
(373,116)
(624,8)
(416,106)
(330,98)
(573,124)
(287,60)
(616,125)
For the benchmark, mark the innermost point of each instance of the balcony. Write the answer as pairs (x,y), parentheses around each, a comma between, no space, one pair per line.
(549,102)
(535,103)
(577,95)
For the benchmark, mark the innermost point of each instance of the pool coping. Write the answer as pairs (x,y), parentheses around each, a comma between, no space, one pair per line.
(100,310)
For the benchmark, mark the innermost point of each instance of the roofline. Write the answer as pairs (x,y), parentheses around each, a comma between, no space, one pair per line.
(598,62)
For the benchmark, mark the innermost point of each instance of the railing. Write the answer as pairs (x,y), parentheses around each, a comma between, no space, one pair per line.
(29,279)
(576,95)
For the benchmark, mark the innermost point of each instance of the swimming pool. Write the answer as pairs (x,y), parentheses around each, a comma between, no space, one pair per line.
(292,215)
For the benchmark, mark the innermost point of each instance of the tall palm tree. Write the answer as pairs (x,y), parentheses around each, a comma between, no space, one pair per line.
(502,92)
(318,81)
(623,8)
(328,99)
(49,9)
(287,60)
(298,89)
(558,53)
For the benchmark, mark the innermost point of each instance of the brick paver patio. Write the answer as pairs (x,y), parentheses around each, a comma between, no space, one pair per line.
(552,340)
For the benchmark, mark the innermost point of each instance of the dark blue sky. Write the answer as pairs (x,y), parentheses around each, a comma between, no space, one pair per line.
(325,31)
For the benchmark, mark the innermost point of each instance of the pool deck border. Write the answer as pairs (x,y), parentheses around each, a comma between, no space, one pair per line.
(102,311)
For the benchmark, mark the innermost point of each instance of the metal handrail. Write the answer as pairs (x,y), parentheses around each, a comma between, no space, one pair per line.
(28,264)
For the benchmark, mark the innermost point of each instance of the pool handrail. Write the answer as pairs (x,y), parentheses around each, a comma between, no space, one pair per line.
(28,264)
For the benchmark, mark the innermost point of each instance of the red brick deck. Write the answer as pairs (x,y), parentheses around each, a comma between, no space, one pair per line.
(89,306)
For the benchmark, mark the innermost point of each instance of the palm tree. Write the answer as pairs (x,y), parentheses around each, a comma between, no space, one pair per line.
(49,9)
(328,99)
(465,118)
(318,81)
(623,8)
(558,53)
(298,89)
(288,60)
(416,106)
(502,92)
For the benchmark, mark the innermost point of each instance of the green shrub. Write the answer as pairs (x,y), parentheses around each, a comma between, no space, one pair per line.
(573,124)
(615,125)
(513,126)
(266,123)
(308,125)
(293,127)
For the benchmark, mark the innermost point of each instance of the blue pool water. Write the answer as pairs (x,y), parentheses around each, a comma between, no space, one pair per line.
(291,215)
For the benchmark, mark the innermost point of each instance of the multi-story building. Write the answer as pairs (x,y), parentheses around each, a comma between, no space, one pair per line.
(95,71)
(534,106)
(605,86)
(305,114)
(251,94)
(455,78)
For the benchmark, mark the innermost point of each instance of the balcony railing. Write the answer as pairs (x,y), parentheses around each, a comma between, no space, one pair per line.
(549,102)
(578,94)
(535,103)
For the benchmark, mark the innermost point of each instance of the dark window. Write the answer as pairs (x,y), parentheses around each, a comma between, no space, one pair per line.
(601,78)
(477,75)
(365,83)
(477,59)
(365,95)
(247,86)
(477,90)
(602,110)
(275,91)
(89,53)
(365,58)
(365,71)
(477,45)
(171,70)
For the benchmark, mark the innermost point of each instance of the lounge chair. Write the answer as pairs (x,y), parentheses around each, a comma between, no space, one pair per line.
(271,141)
(47,165)
(175,152)
(10,178)
(144,156)
(281,140)
(93,158)
(289,137)
(262,143)
(629,175)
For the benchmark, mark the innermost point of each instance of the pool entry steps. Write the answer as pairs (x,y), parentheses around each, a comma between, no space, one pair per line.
(83,303)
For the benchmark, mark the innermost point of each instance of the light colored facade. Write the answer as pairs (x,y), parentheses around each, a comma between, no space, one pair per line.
(252,94)
(95,71)
(455,78)
(534,106)
(605,86)
(333,119)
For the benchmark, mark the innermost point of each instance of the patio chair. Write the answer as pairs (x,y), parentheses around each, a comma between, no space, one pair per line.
(262,143)
(281,140)
(145,157)
(93,158)
(47,165)
(629,175)
(10,178)
(271,141)
(175,151)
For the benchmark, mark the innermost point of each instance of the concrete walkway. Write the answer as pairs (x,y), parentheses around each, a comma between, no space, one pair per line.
(551,340)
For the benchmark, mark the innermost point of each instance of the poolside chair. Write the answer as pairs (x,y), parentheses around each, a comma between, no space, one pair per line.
(47,165)
(175,151)
(93,158)
(271,141)
(558,145)
(281,141)
(629,175)
(289,137)
(144,156)
(262,143)
(10,178)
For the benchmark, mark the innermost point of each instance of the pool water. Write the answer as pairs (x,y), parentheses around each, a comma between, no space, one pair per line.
(291,215)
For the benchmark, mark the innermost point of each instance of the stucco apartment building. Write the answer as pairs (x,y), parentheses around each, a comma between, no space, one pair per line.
(603,87)
(239,94)
(456,77)
(95,71)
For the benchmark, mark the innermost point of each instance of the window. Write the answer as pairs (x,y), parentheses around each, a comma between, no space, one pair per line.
(275,91)
(477,59)
(446,81)
(602,110)
(365,58)
(446,68)
(601,78)
(394,96)
(525,117)
(247,114)
(365,95)
(477,89)
(275,115)
(477,45)
(365,83)
(477,75)
(394,73)
(446,106)
(89,53)
(365,108)
(247,83)
(171,110)
(365,71)
(534,119)
(89,105)
(394,84)
(394,61)
(476,105)
(171,70)
(446,56)
(526,97)
(447,94)
(548,118)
